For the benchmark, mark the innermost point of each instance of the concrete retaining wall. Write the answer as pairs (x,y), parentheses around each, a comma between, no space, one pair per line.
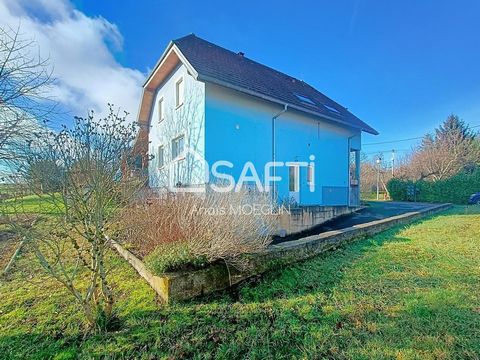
(305,217)
(185,285)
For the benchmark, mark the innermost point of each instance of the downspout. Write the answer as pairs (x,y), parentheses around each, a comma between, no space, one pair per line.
(349,185)
(274,118)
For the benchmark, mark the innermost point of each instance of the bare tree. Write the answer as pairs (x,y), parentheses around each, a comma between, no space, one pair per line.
(25,84)
(84,187)
(451,149)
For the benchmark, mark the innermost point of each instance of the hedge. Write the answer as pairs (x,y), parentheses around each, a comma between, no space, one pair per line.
(456,189)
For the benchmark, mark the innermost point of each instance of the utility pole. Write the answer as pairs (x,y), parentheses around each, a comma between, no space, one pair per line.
(393,162)
(379,160)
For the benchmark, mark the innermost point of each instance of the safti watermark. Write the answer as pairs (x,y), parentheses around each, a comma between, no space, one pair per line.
(245,210)
(219,179)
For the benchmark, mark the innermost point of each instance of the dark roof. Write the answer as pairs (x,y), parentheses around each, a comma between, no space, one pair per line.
(216,64)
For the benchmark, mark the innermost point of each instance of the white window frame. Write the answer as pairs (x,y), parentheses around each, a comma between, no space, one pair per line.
(181,154)
(310,175)
(161,109)
(163,157)
(296,178)
(179,92)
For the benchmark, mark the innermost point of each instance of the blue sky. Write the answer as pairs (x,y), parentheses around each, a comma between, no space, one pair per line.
(401,66)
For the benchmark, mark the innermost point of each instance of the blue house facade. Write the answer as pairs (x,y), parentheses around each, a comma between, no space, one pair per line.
(212,116)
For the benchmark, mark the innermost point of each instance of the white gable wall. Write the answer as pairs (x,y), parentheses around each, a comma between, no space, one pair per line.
(187,120)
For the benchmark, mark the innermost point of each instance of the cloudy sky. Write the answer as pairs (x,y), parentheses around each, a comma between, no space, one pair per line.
(82,50)
(401,66)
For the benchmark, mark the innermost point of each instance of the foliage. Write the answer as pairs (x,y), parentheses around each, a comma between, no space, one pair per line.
(456,189)
(408,293)
(173,257)
(83,185)
(198,227)
(452,149)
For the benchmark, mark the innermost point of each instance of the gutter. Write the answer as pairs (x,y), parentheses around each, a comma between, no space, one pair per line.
(271,99)
(348,162)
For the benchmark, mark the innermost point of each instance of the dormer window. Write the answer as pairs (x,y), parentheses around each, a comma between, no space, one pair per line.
(332,109)
(179,92)
(305,99)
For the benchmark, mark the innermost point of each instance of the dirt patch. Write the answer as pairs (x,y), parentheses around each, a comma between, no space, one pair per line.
(8,244)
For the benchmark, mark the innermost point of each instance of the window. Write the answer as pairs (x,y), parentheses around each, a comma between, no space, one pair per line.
(331,108)
(293,178)
(161,156)
(305,99)
(161,110)
(179,92)
(310,175)
(177,146)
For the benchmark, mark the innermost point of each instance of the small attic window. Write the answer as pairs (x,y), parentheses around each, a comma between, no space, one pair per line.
(304,99)
(332,109)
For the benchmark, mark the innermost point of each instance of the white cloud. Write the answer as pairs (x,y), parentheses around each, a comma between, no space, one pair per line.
(80,48)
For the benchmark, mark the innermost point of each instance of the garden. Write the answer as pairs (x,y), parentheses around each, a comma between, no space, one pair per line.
(410,292)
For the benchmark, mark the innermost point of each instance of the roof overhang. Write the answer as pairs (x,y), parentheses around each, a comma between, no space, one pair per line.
(169,60)
(283,103)
(172,56)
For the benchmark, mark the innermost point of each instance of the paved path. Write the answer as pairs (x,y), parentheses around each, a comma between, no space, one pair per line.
(375,210)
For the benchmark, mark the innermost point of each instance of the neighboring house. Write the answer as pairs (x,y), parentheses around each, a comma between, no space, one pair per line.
(203,103)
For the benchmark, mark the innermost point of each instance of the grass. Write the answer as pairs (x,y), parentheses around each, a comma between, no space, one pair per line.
(32,204)
(408,293)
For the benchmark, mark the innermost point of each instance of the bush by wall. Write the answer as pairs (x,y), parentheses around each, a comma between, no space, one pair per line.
(456,189)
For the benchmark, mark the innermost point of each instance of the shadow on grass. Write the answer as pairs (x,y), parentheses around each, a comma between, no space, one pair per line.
(321,273)
(259,306)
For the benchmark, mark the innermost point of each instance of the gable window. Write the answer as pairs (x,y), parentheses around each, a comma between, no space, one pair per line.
(179,92)
(178,147)
(161,110)
(161,156)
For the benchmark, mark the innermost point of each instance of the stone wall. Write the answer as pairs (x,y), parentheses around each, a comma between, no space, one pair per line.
(306,217)
(185,285)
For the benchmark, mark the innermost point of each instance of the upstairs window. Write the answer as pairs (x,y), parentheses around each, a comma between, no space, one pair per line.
(161,110)
(161,156)
(178,147)
(179,92)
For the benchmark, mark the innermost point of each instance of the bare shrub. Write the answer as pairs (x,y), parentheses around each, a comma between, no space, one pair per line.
(212,226)
(78,185)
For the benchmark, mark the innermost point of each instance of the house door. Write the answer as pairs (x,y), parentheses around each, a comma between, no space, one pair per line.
(294,183)
(354,175)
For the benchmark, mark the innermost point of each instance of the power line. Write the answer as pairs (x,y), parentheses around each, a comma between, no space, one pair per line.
(393,141)
(387,151)
(409,139)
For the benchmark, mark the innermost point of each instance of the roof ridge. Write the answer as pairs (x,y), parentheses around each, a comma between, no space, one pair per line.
(244,57)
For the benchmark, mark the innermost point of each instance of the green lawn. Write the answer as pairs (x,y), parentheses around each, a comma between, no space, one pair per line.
(407,293)
(32,204)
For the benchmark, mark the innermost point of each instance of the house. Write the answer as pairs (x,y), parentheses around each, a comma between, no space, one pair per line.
(206,110)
